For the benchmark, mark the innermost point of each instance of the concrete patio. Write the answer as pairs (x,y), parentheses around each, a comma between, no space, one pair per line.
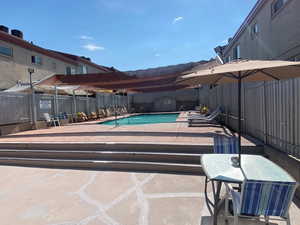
(70,197)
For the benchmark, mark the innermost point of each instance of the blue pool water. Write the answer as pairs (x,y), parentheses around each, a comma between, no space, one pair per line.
(145,119)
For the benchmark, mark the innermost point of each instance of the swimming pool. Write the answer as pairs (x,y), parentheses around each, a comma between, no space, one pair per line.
(144,119)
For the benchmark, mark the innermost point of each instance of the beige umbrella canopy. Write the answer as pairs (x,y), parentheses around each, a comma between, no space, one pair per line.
(238,71)
(247,70)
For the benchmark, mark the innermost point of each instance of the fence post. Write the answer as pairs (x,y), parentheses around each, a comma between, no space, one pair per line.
(87,104)
(97,103)
(74,106)
(55,102)
(33,103)
(34,119)
(128,103)
(265,115)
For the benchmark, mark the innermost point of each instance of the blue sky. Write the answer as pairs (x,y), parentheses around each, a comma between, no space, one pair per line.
(129,34)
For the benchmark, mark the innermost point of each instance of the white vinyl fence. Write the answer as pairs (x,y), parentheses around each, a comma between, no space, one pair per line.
(270,111)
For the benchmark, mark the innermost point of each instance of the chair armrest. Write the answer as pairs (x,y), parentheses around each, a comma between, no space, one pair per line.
(229,188)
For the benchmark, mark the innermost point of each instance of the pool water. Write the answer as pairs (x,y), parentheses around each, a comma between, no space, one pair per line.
(144,119)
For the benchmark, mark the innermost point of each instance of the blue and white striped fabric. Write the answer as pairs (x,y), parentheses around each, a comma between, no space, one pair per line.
(226,145)
(266,198)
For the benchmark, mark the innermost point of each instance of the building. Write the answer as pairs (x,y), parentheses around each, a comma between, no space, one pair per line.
(17,55)
(270,31)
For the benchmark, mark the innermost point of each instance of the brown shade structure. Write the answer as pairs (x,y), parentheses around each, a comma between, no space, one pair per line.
(117,81)
(86,79)
(244,70)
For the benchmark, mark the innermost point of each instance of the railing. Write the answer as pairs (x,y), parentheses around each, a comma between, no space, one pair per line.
(16,107)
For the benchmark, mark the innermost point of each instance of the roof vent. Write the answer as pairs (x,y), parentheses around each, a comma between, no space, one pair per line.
(86,58)
(17,33)
(4,29)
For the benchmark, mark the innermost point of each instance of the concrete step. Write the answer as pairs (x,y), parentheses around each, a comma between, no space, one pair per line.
(186,148)
(185,169)
(181,158)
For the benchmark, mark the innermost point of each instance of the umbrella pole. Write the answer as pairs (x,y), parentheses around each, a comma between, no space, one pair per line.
(116,117)
(239,115)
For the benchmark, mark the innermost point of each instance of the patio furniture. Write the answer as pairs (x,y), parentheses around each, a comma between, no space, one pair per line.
(261,198)
(50,120)
(226,145)
(200,116)
(222,145)
(194,120)
(219,168)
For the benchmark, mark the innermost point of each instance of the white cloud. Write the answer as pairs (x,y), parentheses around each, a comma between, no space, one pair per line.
(177,19)
(223,42)
(85,37)
(157,55)
(93,47)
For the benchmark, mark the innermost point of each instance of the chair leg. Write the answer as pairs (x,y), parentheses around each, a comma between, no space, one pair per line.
(267,219)
(226,206)
(235,220)
(288,220)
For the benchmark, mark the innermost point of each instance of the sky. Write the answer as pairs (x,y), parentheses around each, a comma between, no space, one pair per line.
(129,34)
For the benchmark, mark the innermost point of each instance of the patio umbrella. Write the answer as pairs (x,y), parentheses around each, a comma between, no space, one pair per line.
(244,70)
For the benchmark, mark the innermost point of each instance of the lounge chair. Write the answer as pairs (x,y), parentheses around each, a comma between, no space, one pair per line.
(51,121)
(261,198)
(200,119)
(200,116)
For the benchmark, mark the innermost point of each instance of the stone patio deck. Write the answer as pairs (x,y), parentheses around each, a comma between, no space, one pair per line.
(178,132)
(35,196)
(32,196)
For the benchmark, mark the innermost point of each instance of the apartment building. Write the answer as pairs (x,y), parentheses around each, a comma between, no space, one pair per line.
(17,55)
(270,31)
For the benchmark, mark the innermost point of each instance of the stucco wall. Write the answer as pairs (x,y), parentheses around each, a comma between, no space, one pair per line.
(278,36)
(13,69)
(165,101)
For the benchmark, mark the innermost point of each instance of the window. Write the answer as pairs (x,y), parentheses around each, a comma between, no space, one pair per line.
(277,5)
(68,70)
(36,60)
(83,69)
(73,70)
(254,28)
(6,51)
(296,58)
(228,59)
(54,65)
(237,52)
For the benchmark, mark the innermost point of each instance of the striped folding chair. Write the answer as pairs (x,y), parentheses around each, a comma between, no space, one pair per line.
(262,198)
(222,145)
(226,145)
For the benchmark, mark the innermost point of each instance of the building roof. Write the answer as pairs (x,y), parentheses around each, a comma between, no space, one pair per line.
(85,61)
(67,58)
(166,70)
(158,80)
